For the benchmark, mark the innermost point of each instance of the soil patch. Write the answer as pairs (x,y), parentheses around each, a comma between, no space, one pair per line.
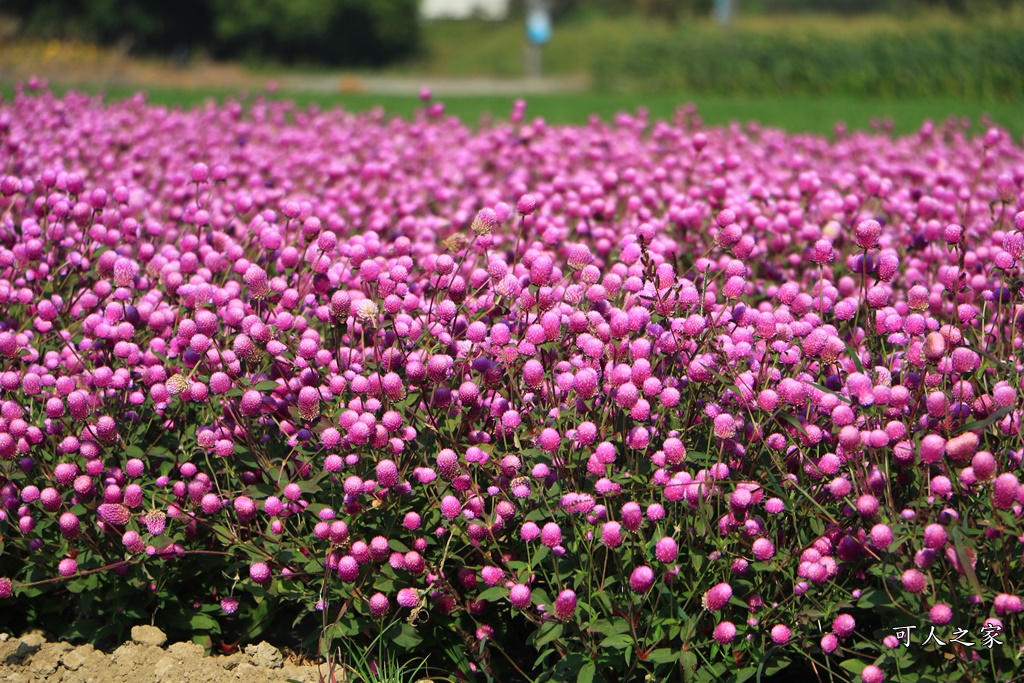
(145,659)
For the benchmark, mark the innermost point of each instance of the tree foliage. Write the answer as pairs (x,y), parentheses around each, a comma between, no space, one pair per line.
(335,32)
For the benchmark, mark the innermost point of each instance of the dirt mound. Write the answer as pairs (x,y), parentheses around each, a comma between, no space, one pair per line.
(32,659)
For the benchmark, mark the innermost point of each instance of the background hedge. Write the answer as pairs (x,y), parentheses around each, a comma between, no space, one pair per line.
(972,61)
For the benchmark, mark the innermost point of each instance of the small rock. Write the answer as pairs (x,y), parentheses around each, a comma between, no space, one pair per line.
(46,661)
(127,653)
(186,650)
(4,637)
(265,655)
(245,667)
(148,635)
(164,666)
(74,660)
(28,644)
(229,662)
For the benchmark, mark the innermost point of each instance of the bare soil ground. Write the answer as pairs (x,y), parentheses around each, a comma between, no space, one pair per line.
(145,659)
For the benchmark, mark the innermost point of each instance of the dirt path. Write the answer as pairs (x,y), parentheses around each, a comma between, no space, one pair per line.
(145,659)
(80,65)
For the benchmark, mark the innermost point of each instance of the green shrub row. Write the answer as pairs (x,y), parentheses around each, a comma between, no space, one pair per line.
(982,61)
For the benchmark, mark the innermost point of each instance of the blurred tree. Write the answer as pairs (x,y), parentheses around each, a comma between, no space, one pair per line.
(336,32)
(156,25)
(349,32)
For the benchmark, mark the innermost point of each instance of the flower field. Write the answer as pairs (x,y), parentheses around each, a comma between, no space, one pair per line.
(546,403)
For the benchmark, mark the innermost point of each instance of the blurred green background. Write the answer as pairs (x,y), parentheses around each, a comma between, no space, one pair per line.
(799,64)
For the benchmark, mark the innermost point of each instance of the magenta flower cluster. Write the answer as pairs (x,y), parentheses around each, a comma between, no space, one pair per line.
(523,372)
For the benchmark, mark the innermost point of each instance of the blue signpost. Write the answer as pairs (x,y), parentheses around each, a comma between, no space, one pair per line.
(538,34)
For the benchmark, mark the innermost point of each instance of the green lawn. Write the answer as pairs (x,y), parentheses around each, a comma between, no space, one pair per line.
(792,114)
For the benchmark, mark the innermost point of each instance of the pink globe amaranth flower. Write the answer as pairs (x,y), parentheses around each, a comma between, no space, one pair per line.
(450,507)
(822,252)
(641,579)
(387,473)
(934,536)
(867,505)
(67,567)
(70,525)
(984,465)
(881,536)
(414,562)
(256,278)
(408,597)
(914,581)
(962,448)
(725,632)
(155,521)
(379,604)
(6,588)
(492,576)
(526,205)
(133,542)
(448,464)
(550,535)
(411,521)
(259,572)
(529,531)
(717,597)
(611,534)
(872,674)
(251,403)
(666,550)
(114,514)
(829,643)
(763,549)
(844,625)
(348,569)
(940,614)
(519,596)
(309,403)
(1005,604)
(229,605)
(780,634)
(1004,490)
(245,507)
(565,604)
(867,233)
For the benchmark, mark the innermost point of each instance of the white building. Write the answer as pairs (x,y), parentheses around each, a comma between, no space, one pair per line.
(494,10)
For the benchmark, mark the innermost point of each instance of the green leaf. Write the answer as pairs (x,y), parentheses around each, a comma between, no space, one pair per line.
(608,627)
(203,622)
(965,560)
(854,666)
(688,661)
(407,637)
(266,385)
(819,387)
(384,584)
(792,420)
(777,666)
(549,632)
(586,674)
(663,655)
(854,357)
(493,593)
(618,641)
(988,421)
(870,599)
